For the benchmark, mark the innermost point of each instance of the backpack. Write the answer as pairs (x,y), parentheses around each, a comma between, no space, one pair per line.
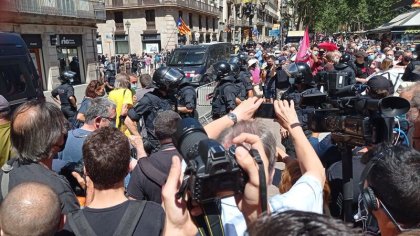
(219,100)
(158,104)
(80,225)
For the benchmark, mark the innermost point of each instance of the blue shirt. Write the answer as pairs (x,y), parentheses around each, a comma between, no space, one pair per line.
(72,152)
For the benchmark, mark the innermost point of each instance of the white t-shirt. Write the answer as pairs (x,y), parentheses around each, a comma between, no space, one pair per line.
(305,195)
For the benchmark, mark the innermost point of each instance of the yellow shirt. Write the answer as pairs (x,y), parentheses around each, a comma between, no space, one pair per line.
(5,143)
(120,97)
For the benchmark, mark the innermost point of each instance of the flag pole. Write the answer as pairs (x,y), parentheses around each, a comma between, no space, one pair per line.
(169,39)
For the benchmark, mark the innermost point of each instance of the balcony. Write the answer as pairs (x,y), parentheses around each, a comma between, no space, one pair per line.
(86,9)
(203,6)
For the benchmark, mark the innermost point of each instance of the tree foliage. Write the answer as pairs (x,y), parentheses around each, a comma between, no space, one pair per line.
(331,16)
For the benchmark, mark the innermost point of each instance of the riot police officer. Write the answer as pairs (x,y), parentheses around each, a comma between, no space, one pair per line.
(187,99)
(345,65)
(166,80)
(224,98)
(66,98)
(302,83)
(242,76)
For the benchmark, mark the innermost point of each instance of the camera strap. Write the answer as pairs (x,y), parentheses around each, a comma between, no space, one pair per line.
(261,174)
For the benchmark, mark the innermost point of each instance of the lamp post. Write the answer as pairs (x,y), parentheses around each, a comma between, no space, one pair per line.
(127,25)
(113,43)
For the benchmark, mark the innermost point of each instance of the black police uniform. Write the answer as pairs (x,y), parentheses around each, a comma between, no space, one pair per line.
(65,91)
(187,97)
(147,108)
(351,75)
(224,97)
(244,84)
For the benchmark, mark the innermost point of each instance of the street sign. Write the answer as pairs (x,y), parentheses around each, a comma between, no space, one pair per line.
(274,33)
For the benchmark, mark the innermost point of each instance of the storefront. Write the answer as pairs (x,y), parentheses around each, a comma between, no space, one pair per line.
(404,28)
(34,44)
(69,54)
(151,43)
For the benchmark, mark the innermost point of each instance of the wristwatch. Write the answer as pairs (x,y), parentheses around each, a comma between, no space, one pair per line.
(233,117)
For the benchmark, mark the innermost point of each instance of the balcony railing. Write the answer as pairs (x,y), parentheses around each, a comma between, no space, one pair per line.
(197,5)
(87,9)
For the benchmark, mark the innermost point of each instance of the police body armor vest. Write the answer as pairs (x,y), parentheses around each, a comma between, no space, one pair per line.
(218,103)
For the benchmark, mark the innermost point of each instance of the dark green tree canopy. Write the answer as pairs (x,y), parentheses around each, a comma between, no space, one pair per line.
(331,16)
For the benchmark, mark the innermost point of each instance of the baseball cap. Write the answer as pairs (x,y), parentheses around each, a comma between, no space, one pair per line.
(4,104)
(252,62)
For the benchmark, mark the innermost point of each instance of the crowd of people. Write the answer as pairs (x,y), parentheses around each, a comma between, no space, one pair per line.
(114,165)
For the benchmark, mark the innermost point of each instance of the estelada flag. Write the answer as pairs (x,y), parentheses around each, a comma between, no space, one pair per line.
(303,53)
(182,27)
(416,4)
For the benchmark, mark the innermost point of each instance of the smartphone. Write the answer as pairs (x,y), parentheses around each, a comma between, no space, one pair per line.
(266,110)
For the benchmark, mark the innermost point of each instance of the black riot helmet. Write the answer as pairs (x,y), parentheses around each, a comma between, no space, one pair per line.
(345,58)
(167,79)
(67,77)
(235,69)
(221,69)
(299,72)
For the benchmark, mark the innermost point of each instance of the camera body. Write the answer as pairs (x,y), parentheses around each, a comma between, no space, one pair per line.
(212,171)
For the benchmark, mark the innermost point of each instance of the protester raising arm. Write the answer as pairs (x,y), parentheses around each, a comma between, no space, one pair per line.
(243,111)
(308,160)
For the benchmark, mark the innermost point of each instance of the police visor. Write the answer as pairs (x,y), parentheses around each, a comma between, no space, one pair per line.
(174,76)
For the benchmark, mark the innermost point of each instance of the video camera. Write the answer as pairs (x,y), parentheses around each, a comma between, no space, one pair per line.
(350,117)
(212,172)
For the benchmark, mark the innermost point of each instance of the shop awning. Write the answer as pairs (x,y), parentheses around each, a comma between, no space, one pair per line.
(407,19)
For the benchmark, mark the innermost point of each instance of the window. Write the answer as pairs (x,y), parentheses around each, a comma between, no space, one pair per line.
(207,23)
(199,23)
(150,15)
(190,20)
(118,15)
(121,44)
(188,57)
(214,24)
(12,80)
(180,14)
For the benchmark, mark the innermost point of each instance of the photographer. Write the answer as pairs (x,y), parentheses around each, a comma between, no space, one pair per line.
(389,188)
(308,188)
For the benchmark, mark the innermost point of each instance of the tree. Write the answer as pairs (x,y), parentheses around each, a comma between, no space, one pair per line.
(330,16)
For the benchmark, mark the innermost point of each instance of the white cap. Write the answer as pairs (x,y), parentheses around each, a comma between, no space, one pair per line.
(252,62)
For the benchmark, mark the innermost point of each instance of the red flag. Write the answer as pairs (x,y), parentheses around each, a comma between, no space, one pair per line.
(304,46)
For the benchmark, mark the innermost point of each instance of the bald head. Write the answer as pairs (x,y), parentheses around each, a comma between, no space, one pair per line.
(30,209)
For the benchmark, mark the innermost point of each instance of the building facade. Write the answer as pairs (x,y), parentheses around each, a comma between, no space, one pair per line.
(149,26)
(60,35)
(249,20)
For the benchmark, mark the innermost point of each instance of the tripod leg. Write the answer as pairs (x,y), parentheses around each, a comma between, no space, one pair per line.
(347,165)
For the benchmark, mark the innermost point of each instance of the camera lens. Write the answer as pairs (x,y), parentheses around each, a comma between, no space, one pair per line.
(189,133)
